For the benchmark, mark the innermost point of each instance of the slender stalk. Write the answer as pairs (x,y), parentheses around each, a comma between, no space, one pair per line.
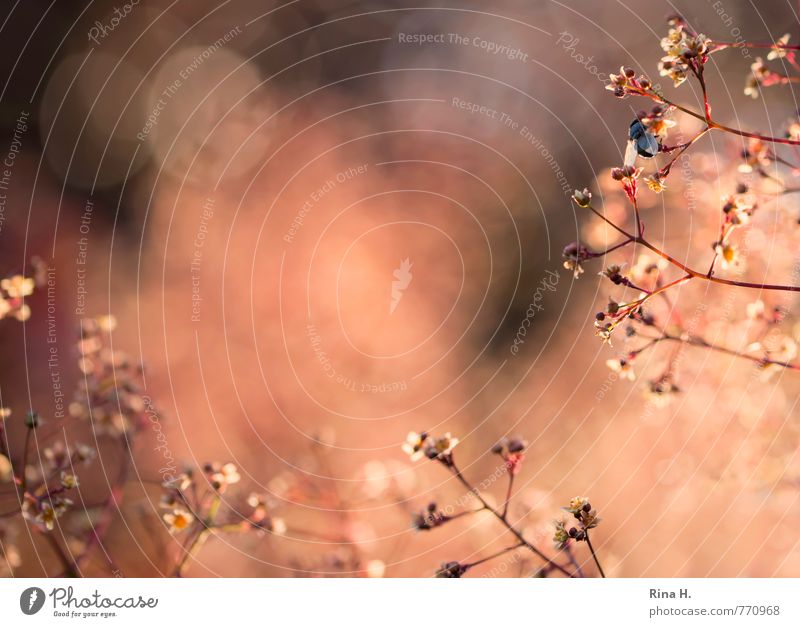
(617,246)
(698,72)
(694,274)
(629,238)
(23,479)
(692,340)
(594,555)
(191,549)
(464,513)
(315,535)
(573,561)
(70,567)
(508,494)
(195,543)
(637,219)
(213,510)
(766,138)
(110,506)
(683,148)
(720,45)
(643,348)
(495,555)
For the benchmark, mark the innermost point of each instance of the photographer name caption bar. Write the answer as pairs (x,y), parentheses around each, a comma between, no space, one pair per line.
(361,602)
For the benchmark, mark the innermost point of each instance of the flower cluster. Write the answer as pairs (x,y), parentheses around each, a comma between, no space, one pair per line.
(512,451)
(220,476)
(46,482)
(575,255)
(109,394)
(606,322)
(657,120)
(627,176)
(44,511)
(650,316)
(192,504)
(686,51)
(262,515)
(45,486)
(626,83)
(430,518)
(623,367)
(13,291)
(738,208)
(418,445)
(586,518)
(756,157)
(661,390)
(759,73)
(762,76)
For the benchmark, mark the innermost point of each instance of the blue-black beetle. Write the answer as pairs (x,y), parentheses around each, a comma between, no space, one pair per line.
(641,142)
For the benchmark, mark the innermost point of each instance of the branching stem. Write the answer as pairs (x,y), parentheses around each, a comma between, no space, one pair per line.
(503,519)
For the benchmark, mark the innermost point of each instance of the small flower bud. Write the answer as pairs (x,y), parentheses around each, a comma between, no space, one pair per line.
(69,481)
(83,452)
(582,198)
(572,249)
(451,570)
(516,445)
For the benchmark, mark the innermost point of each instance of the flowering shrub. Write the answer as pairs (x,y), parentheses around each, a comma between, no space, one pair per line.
(193,509)
(46,481)
(645,309)
(511,452)
(197,504)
